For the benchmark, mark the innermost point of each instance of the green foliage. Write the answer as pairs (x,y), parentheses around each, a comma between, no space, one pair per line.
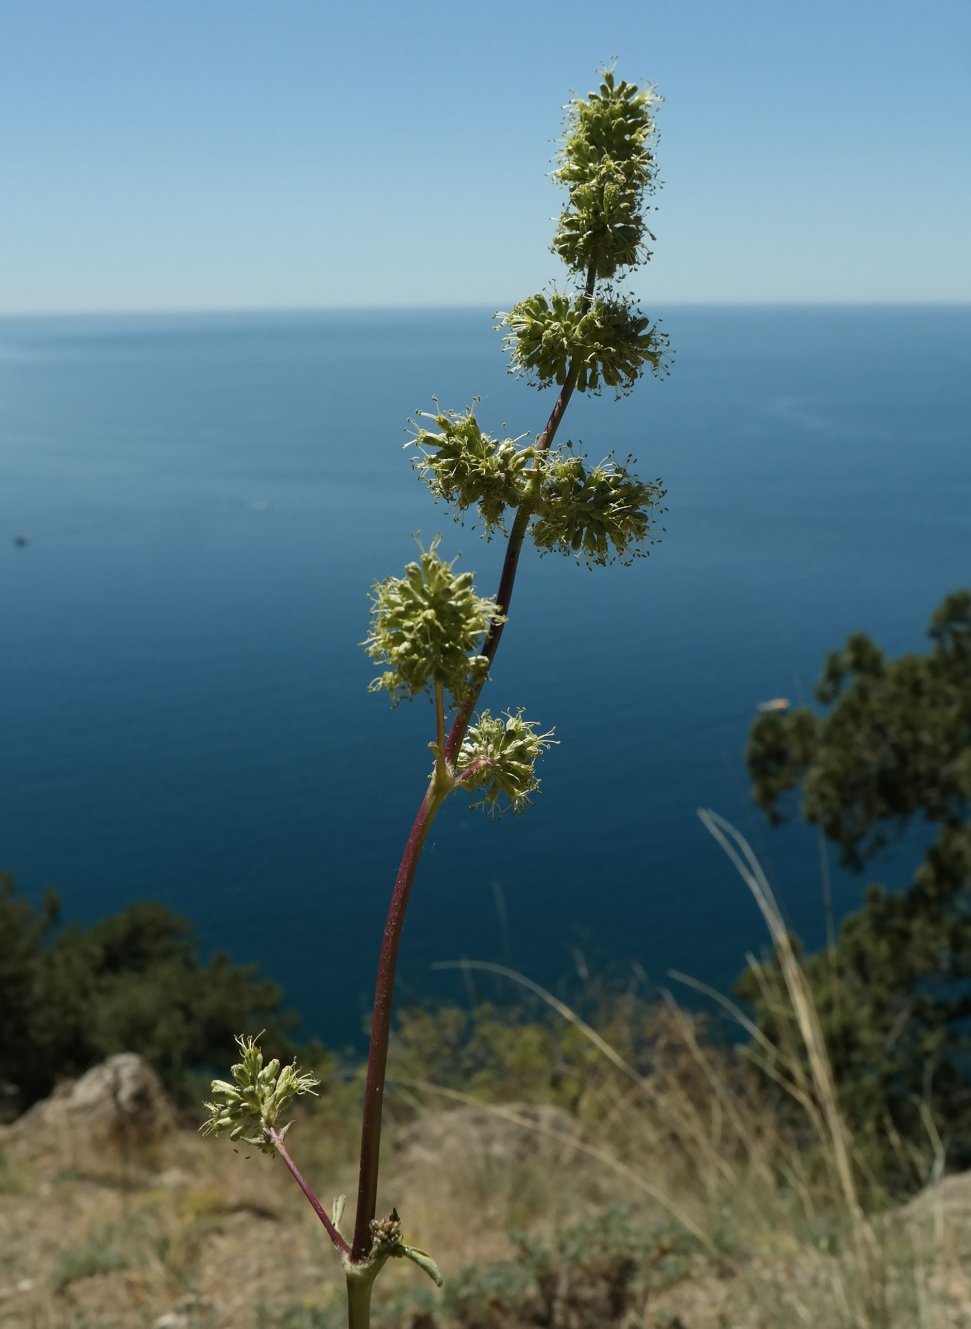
(894,1002)
(14,1178)
(427,626)
(23,929)
(103,1253)
(490,1052)
(499,757)
(529,1054)
(130,982)
(896,743)
(596,1273)
(893,994)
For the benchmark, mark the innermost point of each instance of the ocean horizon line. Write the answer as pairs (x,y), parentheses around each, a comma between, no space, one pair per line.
(136,313)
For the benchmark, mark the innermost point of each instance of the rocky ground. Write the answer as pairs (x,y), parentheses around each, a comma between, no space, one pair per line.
(113,1215)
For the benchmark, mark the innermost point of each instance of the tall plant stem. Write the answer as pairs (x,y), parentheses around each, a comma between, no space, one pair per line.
(510,563)
(367,1191)
(359,1302)
(436,793)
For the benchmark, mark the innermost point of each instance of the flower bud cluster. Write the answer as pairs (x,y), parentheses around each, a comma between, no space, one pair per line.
(426,627)
(607,165)
(598,513)
(499,757)
(385,1234)
(256,1097)
(606,337)
(471,469)
(386,1242)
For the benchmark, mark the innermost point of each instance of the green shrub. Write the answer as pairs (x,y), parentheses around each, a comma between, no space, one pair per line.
(591,1275)
(130,982)
(894,992)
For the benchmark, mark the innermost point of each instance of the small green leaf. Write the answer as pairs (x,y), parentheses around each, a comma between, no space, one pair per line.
(423,1261)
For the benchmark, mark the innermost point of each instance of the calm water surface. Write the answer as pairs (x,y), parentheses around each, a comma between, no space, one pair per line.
(184,713)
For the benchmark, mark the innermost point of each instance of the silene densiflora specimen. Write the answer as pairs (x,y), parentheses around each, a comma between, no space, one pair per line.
(432,633)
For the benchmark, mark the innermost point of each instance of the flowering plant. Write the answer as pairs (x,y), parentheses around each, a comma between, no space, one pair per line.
(430,631)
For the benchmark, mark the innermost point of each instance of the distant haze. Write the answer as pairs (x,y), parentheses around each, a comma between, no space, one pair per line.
(228,156)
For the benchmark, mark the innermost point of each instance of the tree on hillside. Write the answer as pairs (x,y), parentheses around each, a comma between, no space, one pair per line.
(130,982)
(894,993)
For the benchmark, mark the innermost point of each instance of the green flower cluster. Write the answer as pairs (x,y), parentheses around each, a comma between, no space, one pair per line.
(427,626)
(466,467)
(607,338)
(607,165)
(499,757)
(600,513)
(256,1097)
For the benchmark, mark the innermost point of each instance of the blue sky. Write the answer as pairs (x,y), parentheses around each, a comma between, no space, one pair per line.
(219,154)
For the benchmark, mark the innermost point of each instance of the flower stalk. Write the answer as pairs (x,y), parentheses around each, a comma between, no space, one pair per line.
(329,1226)
(377,1064)
(431,633)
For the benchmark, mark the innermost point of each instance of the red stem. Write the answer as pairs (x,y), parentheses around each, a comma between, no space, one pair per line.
(277,1138)
(381,1025)
(434,797)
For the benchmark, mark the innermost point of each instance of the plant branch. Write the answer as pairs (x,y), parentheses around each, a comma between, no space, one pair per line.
(277,1138)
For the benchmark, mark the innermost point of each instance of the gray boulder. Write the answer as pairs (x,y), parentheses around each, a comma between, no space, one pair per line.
(116,1110)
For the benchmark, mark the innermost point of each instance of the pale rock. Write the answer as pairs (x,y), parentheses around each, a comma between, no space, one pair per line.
(115,1108)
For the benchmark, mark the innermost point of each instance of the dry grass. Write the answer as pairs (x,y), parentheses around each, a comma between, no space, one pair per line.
(729,1224)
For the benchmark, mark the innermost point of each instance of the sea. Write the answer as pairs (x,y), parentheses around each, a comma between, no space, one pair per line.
(193,510)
